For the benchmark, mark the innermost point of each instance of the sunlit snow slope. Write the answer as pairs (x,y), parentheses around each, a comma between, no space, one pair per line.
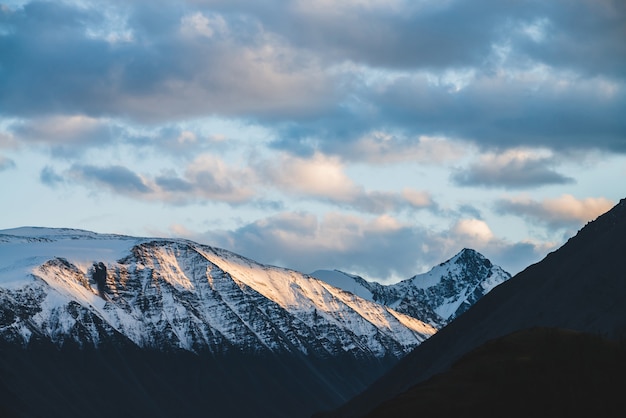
(436,297)
(62,284)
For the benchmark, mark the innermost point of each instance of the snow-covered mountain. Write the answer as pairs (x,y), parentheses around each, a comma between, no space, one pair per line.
(170,294)
(435,297)
(101,325)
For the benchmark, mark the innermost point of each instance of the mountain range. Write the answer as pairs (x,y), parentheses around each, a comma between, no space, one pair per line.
(436,297)
(579,288)
(91,324)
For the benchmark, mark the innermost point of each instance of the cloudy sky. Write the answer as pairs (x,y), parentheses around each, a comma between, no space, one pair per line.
(379,137)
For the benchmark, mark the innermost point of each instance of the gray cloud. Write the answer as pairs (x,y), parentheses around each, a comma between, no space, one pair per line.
(585,36)
(172,183)
(117,178)
(66,135)
(513,169)
(499,74)
(50,177)
(168,68)
(206,179)
(6,163)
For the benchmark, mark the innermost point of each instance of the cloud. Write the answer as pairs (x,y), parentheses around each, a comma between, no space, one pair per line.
(164,67)
(319,176)
(6,163)
(529,107)
(512,256)
(366,80)
(206,178)
(323,178)
(211,178)
(117,178)
(8,140)
(379,147)
(514,168)
(50,177)
(381,248)
(474,230)
(66,135)
(565,211)
(584,35)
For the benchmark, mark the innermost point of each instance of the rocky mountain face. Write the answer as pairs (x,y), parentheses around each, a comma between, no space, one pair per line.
(436,297)
(185,326)
(176,294)
(94,324)
(579,287)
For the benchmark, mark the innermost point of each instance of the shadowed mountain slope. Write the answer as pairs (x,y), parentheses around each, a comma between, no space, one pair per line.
(581,287)
(539,371)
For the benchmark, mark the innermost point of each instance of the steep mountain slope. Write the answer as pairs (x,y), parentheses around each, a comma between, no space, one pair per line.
(538,371)
(436,297)
(175,294)
(169,326)
(581,286)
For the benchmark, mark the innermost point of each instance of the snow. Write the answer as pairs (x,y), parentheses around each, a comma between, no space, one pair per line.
(19,256)
(433,277)
(494,280)
(302,294)
(188,295)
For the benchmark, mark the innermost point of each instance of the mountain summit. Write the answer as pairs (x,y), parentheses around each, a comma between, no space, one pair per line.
(579,287)
(436,297)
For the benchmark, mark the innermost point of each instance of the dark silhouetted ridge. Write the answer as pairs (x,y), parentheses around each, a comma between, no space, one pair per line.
(535,372)
(581,286)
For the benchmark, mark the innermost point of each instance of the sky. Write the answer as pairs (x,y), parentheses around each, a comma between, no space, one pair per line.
(375,137)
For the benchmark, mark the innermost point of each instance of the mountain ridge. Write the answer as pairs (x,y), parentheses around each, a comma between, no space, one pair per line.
(180,328)
(580,287)
(437,296)
(180,283)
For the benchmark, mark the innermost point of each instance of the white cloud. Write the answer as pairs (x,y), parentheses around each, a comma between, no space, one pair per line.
(380,147)
(319,176)
(417,198)
(475,231)
(323,178)
(198,24)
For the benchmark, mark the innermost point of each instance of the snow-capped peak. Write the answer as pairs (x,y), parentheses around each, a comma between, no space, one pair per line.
(437,296)
(169,293)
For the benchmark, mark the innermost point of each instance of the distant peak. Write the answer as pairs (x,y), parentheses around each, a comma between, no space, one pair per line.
(465,254)
(470,252)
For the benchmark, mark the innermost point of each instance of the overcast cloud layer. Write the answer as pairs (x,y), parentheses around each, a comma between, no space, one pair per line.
(377,137)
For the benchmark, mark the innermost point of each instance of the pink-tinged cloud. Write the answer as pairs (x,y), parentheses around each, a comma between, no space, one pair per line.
(323,177)
(563,211)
